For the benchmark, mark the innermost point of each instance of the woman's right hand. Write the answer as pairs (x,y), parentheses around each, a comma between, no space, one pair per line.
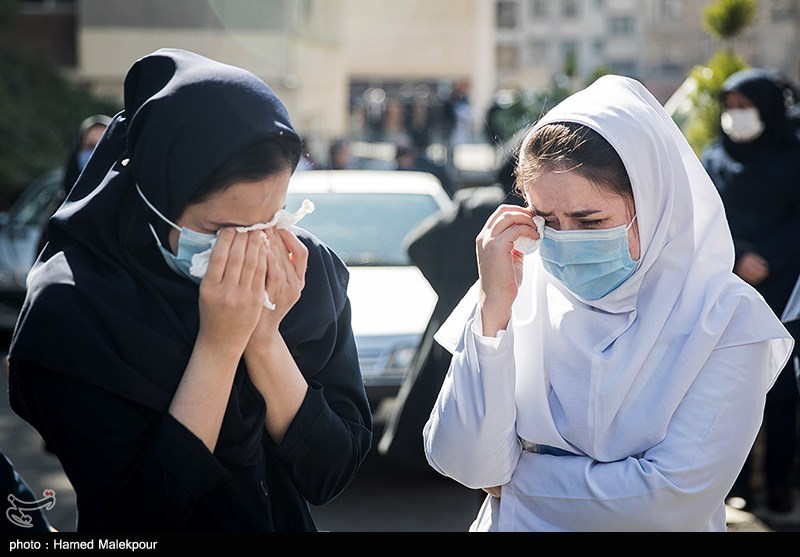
(232,291)
(500,265)
(752,268)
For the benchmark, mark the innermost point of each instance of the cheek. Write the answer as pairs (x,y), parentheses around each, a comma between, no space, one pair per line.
(634,244)
(172,238)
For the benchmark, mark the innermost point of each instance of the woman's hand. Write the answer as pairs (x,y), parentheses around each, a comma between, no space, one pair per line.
(232,291)
(752,268)
(287,259)
(500,265)
(231,300)
(270,365)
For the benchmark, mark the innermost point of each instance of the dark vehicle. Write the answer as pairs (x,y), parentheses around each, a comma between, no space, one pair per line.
(21,230)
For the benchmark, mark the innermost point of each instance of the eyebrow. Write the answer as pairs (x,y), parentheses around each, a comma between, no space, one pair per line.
(575,214)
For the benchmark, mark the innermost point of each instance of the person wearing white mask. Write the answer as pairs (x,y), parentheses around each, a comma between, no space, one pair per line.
(755,165)
(89,134)
(614,378)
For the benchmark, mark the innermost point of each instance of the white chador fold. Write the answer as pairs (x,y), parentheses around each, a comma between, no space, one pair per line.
(657,388)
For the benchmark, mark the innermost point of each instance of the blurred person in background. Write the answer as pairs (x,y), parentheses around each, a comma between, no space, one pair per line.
(190,360)
(459,115)
(339,157)
(89,134)
(755,165)
(409,157)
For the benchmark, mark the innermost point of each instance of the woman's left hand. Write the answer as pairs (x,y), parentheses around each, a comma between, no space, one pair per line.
(287,259)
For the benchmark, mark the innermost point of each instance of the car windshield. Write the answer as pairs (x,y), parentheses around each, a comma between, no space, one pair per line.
(36,203)
(365,229)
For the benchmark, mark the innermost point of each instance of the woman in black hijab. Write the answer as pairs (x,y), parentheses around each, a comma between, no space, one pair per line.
(755,165)
(89,134)
(178,406)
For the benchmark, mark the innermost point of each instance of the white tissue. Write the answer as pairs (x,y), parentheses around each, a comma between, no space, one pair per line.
(526,245)
(282,219)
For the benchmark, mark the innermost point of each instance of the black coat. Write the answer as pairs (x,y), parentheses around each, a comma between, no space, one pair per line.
(759,183)
(760,187)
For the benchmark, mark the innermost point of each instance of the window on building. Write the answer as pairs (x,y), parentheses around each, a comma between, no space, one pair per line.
(507,57)
(538,52)
(569,57)
(570,9)
(507,14)
(670,10)
(599,47)
(537,9)
(782,10)
(621,25)
(568,48)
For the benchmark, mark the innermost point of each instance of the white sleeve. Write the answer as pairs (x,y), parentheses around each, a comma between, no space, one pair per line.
(471,435)
(677,485)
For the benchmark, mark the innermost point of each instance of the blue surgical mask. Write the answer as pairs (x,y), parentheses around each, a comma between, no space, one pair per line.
(589,263)
(190,243)
(83,158)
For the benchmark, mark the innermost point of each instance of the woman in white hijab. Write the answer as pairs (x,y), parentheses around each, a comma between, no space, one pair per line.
(614,378)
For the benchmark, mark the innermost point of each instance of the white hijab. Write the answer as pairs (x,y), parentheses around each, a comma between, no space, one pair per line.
(604,377)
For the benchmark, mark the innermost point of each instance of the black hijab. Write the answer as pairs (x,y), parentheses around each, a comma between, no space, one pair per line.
(766,93)
(102,305)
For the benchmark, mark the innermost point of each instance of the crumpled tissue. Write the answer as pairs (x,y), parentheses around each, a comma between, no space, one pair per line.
(527,245)
(282,219)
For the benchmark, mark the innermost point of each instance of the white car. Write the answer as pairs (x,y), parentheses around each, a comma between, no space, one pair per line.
(365,216)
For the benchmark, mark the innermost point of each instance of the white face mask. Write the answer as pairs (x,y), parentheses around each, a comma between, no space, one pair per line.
(742,125)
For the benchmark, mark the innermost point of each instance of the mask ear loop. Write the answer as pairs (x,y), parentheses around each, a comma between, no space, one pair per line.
(627,228)
(157,212)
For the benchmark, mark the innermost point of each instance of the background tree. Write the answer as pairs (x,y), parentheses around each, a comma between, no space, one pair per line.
(725,20)
(42,110)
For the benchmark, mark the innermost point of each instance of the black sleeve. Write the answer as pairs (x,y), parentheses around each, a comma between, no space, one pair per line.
(132,469)
(332,431)
(776,247)
(426,243)
(24,510)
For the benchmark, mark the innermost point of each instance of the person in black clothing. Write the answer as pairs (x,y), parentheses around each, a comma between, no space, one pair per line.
(89,134)
(409,157)
(183,391)
(755,164)
(443,248)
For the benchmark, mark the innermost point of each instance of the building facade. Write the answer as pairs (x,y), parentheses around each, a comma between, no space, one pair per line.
(375,69)
(540,42)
